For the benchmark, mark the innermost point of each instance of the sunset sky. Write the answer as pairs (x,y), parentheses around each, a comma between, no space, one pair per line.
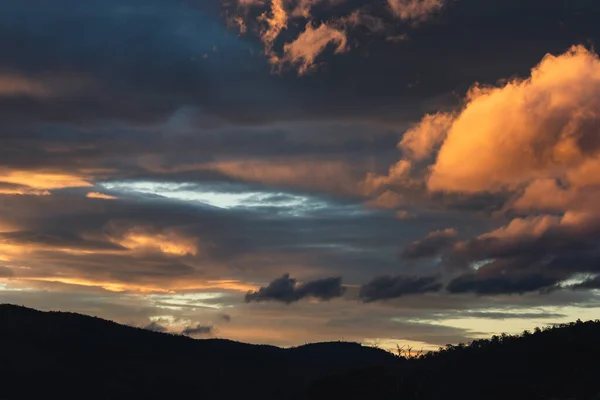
(415,172)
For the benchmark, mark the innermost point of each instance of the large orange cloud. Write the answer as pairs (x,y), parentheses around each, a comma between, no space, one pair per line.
(545,127)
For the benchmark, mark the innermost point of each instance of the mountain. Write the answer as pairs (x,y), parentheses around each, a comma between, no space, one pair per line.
(68,356)
(560,362)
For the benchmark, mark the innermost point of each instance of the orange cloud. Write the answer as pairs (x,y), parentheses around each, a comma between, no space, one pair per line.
(545,127)
(398,173)
(96,195)
(312,42)
(543,195)
(169,243)
(415,9)
(277,21)
(39,182)
(172,287)
(386,200)
(419,142)
(23,191)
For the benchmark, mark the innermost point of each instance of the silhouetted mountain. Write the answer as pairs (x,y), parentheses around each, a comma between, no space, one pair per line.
(561,362)
(66,355)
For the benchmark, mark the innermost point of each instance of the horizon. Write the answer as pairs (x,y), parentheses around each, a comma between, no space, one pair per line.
(395,172)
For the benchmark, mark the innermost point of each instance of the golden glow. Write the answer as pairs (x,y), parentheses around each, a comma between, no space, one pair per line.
(108,286)
(102,196)
(169,243)
(171,288)
(24,192)
(38,182)
(8,251)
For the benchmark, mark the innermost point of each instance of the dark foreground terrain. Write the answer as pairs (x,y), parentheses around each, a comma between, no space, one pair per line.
(67,356)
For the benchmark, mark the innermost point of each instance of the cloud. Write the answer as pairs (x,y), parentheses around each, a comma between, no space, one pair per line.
(360,18)
(417,10)
(225,317)
(102,196)
(198,330)
(535,144)
(5,272)
(302,173)
(391,287)
(418,143)
(544,127)
(44,87)
(276,20)
(169,242)
(592,283)
(501,284)
(40,182)
(14,85)
(398,174)
(386,200)
(286,290)
(432,245)
(304,51)
(155,327)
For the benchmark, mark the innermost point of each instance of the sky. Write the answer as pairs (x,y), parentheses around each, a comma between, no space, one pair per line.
(411,172)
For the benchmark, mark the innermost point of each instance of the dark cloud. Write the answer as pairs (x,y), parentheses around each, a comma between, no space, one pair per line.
(198,330)
(390,287)
(286,290)
(155,327)
(431,246)
(501,284)
(225,317)
(185,55)
(592,283)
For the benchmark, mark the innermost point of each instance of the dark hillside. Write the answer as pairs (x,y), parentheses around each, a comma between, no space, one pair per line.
(65,355)
(562,362)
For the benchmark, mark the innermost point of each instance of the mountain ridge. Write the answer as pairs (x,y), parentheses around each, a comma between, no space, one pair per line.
(131,362)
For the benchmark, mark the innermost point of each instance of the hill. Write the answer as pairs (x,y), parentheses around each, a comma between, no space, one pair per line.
(68,356)
(560,362)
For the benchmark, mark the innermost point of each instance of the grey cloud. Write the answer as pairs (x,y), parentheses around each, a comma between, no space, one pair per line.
(198,330)
(592,283)
(168,69)
(225,317)
(155,327)
(390,287)
(501,284)
(286,290)
(431,246)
